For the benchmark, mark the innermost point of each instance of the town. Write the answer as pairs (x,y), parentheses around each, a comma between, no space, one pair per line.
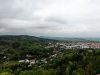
(72,45)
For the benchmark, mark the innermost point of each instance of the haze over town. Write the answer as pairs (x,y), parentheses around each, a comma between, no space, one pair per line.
(67,18)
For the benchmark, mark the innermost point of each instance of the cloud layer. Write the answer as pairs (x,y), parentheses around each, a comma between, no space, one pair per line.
(70,18)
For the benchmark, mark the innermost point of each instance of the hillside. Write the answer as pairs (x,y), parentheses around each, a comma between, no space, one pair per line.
(23,37)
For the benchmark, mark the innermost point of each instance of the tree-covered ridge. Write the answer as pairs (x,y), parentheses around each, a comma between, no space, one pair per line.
(23,37)
(27,56)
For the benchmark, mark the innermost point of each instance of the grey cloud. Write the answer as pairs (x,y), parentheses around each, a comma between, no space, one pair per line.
(43,27)
(47,27)
(56,20)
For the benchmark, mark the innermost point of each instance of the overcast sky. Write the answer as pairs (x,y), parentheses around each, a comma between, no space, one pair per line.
(64,18)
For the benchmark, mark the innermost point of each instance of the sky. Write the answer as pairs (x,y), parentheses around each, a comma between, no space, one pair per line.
(56,18)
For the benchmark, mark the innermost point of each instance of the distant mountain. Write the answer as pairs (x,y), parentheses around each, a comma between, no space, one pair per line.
(74,39)
(68,39)
(93,39)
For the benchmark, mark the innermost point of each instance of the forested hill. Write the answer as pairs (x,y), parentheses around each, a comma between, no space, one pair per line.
(23,37)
